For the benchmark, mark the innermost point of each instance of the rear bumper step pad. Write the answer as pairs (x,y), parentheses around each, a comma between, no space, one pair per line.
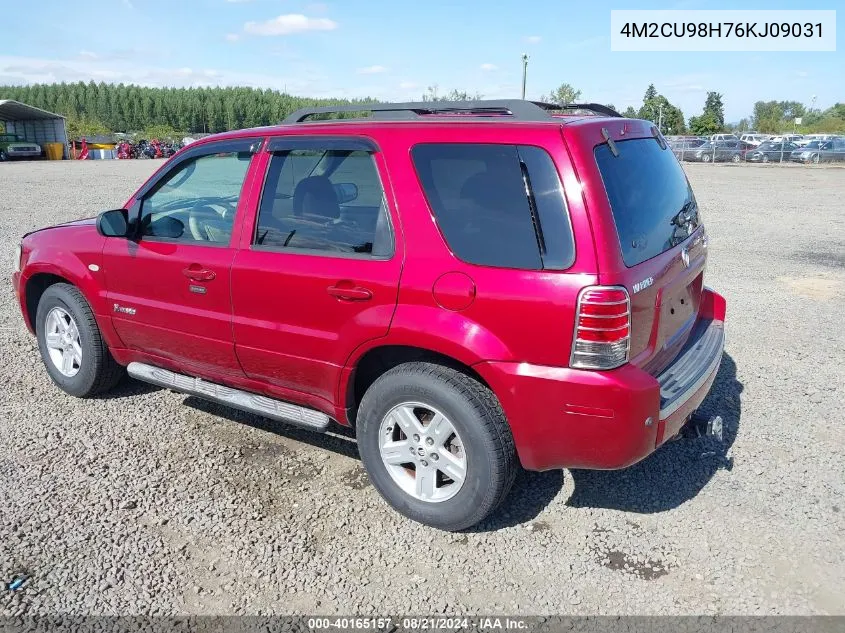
(695,363)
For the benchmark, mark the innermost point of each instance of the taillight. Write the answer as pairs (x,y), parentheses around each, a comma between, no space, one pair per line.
(602,328)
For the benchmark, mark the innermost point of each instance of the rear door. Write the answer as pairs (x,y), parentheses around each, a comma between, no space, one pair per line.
(318,272)
(661,243)
(169,288)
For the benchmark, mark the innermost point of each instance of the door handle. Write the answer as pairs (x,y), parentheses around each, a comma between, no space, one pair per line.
(198,273)
(355,293)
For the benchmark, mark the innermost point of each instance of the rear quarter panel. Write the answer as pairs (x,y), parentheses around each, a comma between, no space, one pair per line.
(515,314)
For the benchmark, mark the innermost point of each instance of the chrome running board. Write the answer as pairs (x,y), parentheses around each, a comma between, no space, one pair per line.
(229,396)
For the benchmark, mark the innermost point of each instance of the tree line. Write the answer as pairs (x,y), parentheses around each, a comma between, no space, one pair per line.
(768,116)
(100,108)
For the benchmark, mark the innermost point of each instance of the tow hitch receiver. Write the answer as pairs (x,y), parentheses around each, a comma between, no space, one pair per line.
(700,426)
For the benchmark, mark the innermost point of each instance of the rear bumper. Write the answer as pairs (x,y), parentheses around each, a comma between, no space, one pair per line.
(568,418)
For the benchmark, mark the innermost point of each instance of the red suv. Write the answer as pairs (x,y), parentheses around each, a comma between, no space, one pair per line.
(474,287)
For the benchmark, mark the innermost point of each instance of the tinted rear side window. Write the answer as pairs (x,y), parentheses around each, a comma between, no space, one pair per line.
(653,205)
(495,204)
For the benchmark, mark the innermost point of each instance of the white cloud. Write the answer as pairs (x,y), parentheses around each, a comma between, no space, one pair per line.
(87,55)
(371,70)
(303,79)
(533,39)
(232,37)
(289,24)
(489,67)
(408,85)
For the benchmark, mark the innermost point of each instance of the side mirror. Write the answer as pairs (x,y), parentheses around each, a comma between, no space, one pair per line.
(113,223)
(345,192)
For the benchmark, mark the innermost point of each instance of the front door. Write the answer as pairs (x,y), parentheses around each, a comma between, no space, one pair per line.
(169,288)
(318,274)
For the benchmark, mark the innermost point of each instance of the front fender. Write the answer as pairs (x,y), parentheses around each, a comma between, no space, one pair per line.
(50,257)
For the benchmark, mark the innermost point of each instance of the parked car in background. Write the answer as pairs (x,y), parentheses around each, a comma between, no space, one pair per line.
(14,146)
(682,147)
(744,148)
(754,139)
(820,152)
(716,152)
(770,152)
(370,272)
(787,138)
(724,137)
(809,138)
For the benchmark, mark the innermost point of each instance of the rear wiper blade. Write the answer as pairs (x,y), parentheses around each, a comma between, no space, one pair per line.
(684,217)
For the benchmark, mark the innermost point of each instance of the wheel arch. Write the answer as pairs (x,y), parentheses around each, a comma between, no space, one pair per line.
(36,286)
(375,361)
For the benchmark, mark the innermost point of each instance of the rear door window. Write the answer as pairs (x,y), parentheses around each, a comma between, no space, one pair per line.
(497,205)
(653,205)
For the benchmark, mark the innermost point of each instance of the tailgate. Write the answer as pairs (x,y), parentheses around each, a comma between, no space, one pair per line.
(661,243)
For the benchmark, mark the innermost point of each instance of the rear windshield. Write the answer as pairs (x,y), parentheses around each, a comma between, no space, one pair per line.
(653,205)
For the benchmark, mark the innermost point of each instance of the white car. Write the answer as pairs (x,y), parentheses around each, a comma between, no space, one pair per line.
(788,138)
(754,139)
(724,137)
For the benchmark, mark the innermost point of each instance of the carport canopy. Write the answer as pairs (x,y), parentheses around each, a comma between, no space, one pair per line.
(33,124)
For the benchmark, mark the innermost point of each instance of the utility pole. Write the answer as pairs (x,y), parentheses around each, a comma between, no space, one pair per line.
(660,119)
(524,73)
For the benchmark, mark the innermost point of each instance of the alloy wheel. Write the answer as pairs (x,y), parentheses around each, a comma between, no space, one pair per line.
(422,452)
(64,346)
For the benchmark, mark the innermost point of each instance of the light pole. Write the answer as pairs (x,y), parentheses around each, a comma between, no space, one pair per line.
(524,72)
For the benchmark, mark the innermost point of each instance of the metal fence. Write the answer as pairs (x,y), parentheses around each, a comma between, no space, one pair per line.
(783,151)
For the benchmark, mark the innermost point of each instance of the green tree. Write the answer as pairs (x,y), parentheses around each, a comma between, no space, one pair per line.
(562,95)
(657,108)
(713,105)
(705,125)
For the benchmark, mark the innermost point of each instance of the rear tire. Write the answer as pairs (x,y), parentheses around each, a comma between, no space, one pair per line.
(705,158)
(72,348)
(472,415)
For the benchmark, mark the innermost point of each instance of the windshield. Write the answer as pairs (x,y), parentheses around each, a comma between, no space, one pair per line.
(813,145)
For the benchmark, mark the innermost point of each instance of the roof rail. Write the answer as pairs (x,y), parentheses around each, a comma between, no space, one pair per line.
(517,109)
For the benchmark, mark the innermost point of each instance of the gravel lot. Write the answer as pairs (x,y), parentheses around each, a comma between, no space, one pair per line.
(151,502)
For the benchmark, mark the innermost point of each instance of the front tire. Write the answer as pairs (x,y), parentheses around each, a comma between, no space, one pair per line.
(705,158)
(436,445)
(72,348)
